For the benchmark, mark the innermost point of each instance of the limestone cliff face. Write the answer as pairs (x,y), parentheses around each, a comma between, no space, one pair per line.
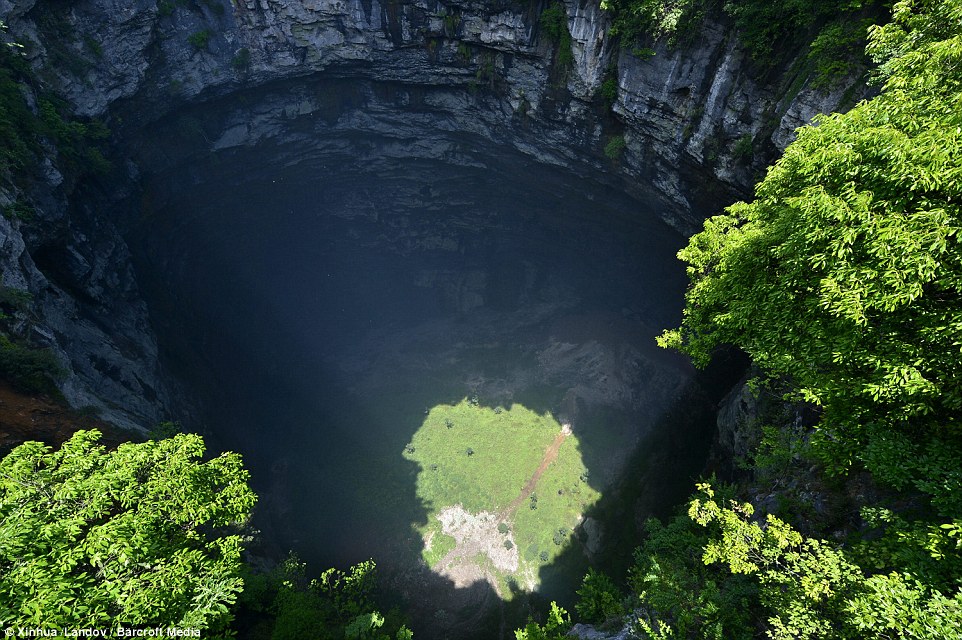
(681,111)
(425,73)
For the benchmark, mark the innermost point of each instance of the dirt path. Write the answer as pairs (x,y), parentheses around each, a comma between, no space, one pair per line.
(550,455)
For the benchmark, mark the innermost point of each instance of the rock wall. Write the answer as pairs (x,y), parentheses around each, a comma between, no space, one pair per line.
(681,111)
(457,67)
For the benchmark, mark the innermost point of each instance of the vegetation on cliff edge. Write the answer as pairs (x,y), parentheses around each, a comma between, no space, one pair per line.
(842,278)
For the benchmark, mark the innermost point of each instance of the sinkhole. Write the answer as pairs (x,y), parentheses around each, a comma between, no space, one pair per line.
(432,342)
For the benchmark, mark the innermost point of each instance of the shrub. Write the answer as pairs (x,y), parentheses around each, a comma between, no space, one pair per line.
(744,150)
(615,147)
(675,20)
(27,368)
(560,536)
(643,53)
(94,47)
(838,51)
(200,39)
(18,126)
(608,91)
(677,591)
(841,274)
(19,211)
(598,598)
(242,59)
(166,429)
(555,627)
(75,140)
(13,299)
(451,23)
(554,25)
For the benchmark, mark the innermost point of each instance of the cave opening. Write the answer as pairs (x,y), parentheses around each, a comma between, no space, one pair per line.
(335,279)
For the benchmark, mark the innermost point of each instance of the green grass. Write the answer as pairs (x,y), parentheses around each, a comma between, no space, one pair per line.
(508,447)
(441,544)
(536,528)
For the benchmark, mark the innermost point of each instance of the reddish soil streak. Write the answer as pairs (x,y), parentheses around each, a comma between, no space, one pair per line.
(550,455)
(25,417)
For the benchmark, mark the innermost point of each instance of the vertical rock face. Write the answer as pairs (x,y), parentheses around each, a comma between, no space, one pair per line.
(461,66)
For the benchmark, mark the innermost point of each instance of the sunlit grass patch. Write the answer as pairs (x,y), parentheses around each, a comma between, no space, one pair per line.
(440,545)
(482,458)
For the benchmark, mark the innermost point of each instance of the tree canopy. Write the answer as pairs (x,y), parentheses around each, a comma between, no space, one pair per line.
(845,272)
(842,277)
(147,534)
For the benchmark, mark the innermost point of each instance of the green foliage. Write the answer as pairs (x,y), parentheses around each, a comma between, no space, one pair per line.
(615,147)
(744,150)
(555,628)
(675,20)
(781,448)
(560,536)
(76,141)
(765,27)
(837,51)
(451,22)
(94,47)
(145,534)
(336,605)
(844,278)
(643,53)
(812,590)
(166,429)
(679,596)
(487,74)
(844,274)
(199,39)
(598,598)
(608,91)
(18,125)
(554,25)
(19,211)
(27,368)
(242,59)
(14,300)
